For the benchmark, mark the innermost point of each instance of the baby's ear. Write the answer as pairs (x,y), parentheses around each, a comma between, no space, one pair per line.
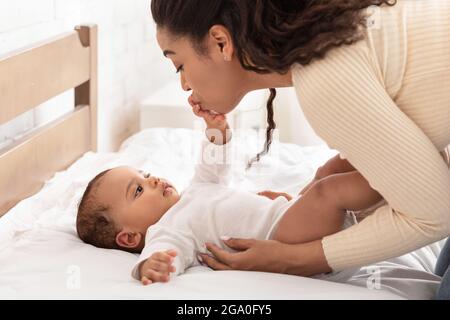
(128,240)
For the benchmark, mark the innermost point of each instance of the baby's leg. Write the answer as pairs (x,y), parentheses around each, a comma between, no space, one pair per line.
(320,211)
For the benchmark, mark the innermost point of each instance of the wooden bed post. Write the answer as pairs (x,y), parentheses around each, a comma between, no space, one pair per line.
(86,93)
(30,76)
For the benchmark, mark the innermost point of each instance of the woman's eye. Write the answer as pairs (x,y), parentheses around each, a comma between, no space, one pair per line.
(139,190)
(180,68)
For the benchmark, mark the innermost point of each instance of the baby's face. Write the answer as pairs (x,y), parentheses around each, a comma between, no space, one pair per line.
(137,200)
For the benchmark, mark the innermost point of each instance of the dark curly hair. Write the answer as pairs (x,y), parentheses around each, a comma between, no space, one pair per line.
(94,223)
(269,35)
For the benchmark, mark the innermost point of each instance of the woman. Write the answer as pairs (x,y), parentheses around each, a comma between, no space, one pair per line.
(373,79)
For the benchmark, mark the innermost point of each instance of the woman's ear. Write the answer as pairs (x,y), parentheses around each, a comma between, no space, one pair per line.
(128,240)
(222,40)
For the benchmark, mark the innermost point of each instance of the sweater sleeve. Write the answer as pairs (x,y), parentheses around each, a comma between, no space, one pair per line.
(348,106)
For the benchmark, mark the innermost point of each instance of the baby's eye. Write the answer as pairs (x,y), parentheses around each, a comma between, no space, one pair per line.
(147,175)
(139,190)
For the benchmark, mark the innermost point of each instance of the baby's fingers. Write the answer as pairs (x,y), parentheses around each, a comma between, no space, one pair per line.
(172,253)
(165,257)
(146,281)
(160,266)
(199,112)
(162,261)
(156,276)
(196,109)
(221,118)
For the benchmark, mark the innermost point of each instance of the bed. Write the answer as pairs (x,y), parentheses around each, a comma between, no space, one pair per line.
(43,176)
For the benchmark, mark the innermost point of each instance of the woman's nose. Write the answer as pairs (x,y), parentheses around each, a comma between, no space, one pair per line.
(184,83)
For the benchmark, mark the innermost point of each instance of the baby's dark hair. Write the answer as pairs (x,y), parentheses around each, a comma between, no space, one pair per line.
(94,223)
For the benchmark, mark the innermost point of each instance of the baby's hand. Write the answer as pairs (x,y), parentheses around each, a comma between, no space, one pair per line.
(213,120)
(158,267)
(273,195)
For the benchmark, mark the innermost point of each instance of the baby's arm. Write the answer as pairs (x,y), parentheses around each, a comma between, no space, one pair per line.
(217,128)
(166,253)
(215,158)
(158,267)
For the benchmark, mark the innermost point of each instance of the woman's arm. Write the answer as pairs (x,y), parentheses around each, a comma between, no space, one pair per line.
(268,256)
(349,108)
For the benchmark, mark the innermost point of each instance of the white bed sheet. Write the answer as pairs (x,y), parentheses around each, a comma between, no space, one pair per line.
(42,257)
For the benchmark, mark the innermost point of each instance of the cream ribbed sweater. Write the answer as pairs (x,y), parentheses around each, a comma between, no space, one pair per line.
(384,103)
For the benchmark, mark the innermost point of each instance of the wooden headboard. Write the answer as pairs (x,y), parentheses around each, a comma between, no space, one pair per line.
(30,77)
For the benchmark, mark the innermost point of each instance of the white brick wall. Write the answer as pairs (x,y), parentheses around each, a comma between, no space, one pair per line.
(130,62)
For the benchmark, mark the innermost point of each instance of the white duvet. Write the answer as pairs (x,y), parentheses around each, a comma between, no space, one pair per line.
(42,257)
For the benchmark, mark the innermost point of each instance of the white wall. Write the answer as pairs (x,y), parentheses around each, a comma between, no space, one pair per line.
(291,122)
(131,66)
(130,62)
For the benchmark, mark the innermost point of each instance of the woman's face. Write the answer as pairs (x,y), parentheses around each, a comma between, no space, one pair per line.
(216,78)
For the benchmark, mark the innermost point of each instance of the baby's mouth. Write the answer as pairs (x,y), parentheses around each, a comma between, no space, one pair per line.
(167,189)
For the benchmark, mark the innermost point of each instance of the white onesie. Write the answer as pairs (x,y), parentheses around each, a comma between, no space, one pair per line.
(208,210)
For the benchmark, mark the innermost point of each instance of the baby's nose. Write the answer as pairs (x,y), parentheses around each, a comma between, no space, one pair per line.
(155,181)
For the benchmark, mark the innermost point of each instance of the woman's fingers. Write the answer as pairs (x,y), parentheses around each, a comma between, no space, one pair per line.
(213,263)
(239,244)
(220,254)
(224,260)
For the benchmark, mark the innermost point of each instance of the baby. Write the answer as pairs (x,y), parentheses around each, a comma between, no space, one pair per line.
(130,210)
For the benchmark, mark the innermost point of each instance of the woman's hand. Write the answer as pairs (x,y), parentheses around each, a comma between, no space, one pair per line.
(268,256)
(252,256)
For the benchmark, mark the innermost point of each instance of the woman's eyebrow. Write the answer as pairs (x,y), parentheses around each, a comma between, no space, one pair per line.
(168,53)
